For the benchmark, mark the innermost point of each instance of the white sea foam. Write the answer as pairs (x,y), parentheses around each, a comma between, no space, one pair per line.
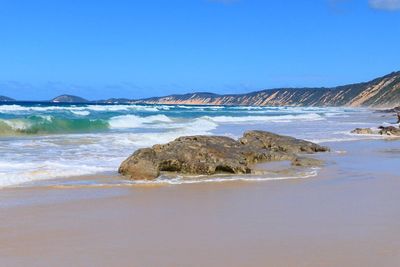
(251,108)
(9,109)
(133,121)
(155,108)
(12,173)
(29,158)
(80,113)
(200,126)
(221,179)
(255,119)
(346,136)
(200,107)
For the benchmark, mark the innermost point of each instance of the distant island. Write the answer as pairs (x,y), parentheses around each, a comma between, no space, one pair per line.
(6,99)
(380,92)
(69,99)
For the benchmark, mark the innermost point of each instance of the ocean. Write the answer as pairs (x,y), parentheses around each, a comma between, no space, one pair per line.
(42,141)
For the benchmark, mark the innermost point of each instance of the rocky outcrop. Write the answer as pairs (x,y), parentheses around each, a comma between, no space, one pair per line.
(392,110)
(208,155)
(380,92)
(69,99)
(382,130)
(363,131)
(389,130)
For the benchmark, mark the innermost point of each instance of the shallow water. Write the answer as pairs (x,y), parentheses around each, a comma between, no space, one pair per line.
(41,141)
(347,215)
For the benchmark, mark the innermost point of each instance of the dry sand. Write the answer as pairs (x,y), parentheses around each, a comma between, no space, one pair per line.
(349,215)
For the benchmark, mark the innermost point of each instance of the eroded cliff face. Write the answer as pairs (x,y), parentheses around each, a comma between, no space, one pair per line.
(379,93)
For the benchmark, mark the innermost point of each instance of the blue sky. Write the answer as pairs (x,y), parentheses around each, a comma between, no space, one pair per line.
(101,49)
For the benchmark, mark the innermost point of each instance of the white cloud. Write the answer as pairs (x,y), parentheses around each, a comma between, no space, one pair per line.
(389,5)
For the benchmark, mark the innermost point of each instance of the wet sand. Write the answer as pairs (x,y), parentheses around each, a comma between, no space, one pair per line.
(349,215)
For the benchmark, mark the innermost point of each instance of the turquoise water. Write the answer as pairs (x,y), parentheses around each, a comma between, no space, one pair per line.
(42,141)
(40,119)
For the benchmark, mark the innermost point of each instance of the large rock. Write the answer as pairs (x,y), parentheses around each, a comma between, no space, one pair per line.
(208,155)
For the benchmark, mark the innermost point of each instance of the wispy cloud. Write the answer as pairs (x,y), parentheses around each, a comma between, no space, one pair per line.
(388,5)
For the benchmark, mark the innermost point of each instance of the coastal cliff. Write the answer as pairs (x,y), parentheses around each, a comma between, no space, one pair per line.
(380,92)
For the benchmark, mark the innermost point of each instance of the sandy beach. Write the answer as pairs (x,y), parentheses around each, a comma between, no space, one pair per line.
(346,216)
(218,133)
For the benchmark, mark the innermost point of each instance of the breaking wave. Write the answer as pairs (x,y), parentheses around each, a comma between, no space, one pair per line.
(55,125)
(51,141)
(45,124)
(50,125)
(12,109)
(133,121)
(275,118)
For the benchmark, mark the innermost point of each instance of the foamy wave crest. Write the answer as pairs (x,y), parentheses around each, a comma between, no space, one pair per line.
(80,113)
(200,126)
(40,124)
(12,173)
(199,107)
(10,109)
(18,108)
(107,108)
(43,124)
(221,179)
(275,118)
(250,108)
(85,154)
(176,181)
(133,121)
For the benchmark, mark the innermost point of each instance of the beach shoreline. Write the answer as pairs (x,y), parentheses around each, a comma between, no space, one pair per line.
(200,133)
(345,216)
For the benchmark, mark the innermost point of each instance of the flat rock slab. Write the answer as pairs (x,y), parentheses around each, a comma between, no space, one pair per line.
(209,155)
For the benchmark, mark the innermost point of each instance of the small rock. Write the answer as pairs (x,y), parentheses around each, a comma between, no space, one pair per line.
(390,130)
(307,162)
(362,131)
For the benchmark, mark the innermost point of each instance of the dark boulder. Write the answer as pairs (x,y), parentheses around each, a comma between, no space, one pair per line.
(390,130)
